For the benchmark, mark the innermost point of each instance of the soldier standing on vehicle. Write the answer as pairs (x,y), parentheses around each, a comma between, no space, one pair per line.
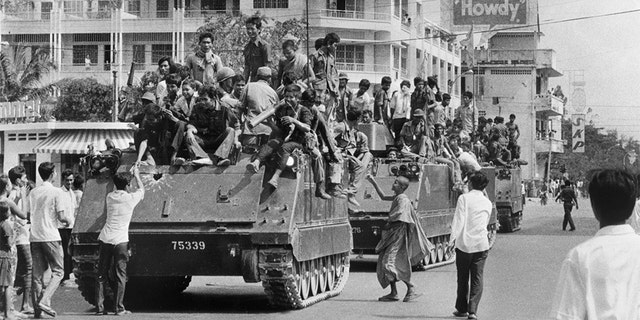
(403,243)
(568,197)
(204,64)
(114,239)
(257,52)
(469,235)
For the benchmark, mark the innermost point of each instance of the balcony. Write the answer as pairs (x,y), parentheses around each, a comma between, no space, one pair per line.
(548,105)
(543,59)
(361,20)
(34,22)
(357,71)
(549,144)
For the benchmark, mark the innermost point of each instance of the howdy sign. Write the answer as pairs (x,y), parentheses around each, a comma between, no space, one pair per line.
(491,12)
(577,133)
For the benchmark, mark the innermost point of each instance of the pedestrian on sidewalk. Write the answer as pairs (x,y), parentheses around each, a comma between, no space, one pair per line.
(569,199)
(403,243)
(69,205)
(6,243)
(114,239)
(45,209)
(470,237)
(600,277)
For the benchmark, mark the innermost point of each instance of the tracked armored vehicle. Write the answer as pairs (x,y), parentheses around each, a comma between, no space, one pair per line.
(508,198)
(206,221)
(430,189)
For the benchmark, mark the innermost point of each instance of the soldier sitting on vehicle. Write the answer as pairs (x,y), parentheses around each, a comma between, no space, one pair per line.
(212,126)
(413,140)
(257,96)
(153,138)
(498,152)
(293,121)
(444,155)
(173,87)
(355,148)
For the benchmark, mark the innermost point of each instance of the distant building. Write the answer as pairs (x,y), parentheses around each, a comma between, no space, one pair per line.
(510,74)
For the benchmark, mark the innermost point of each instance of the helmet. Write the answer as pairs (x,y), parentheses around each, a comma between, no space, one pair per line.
(224,74)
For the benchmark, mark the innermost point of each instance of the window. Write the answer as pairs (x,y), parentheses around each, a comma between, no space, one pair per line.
(350,58)
(73,7)
(350,55)
(134,7)
(82,52)
(403,59)
(162,9)
(160,50)
(270,4)
(139,56)
(396,58)
(46,10)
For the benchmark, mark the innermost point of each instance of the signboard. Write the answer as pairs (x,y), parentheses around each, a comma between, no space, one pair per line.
(491,12)
(577,133)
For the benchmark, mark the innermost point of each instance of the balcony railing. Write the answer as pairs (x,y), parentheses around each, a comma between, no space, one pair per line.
(105,14)
(549,144)
(548,105)
(361,67)
(538,57)
(357,15)
(20,112)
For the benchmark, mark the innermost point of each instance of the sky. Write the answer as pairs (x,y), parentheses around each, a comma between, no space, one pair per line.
(606,48)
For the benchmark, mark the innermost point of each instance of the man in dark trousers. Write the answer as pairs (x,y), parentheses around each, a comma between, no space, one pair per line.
(114,239)
(470,237)
(568,197)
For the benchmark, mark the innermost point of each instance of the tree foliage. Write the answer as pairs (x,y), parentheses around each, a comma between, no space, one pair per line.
(83,100)
(230,37)
(602,150)
(21,72)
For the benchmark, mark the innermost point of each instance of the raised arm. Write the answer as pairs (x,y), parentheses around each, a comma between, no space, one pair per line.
(379,190)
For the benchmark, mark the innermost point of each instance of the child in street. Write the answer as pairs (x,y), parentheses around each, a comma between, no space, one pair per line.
(6,242)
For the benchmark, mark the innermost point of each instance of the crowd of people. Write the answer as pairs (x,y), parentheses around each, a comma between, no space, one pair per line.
(35,231)
(204,113)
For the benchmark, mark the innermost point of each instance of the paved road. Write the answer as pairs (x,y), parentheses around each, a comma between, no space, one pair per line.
(520,276)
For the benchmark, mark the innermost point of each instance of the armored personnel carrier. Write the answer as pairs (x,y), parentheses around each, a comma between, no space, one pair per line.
(430,189)
(508,198)
(206,221)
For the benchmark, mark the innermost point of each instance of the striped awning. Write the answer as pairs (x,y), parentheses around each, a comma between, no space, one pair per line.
(77,141)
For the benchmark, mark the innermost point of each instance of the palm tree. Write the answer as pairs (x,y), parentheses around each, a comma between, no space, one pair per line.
(21,72)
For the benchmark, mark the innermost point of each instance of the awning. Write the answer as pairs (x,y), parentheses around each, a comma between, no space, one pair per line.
(76,141)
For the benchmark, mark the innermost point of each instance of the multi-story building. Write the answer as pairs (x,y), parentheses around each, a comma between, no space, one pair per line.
(90,38)
(510,72)
(100,38)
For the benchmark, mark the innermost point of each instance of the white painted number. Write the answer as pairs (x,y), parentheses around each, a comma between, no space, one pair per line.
(188,245)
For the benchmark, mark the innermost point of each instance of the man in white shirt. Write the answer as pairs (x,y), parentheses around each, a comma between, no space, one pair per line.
(600,278)
(114,239)
(69,205)
(45,209)
(469,235)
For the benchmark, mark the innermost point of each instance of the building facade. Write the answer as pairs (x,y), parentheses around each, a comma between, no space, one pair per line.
(510,72)
(63,143)
(92,38)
